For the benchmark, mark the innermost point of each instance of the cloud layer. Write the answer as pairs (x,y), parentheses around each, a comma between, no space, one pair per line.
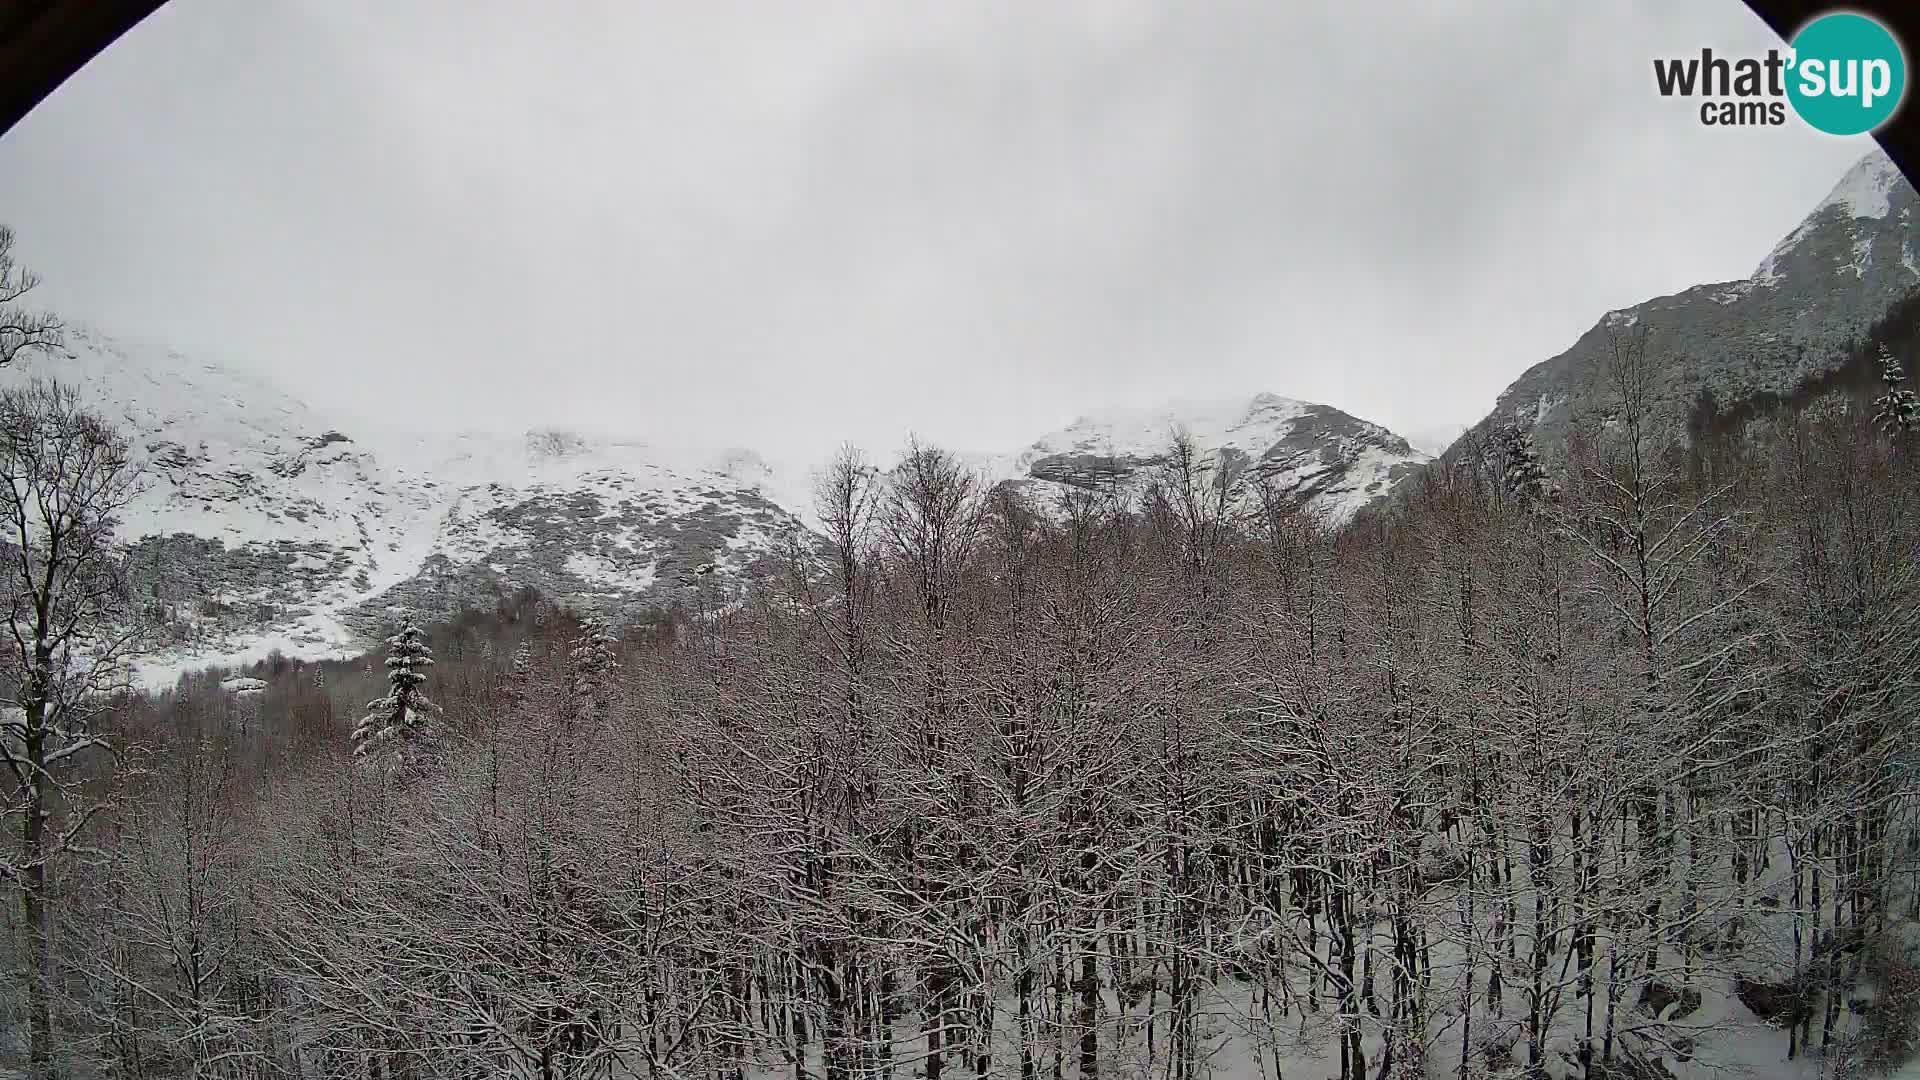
(784,225)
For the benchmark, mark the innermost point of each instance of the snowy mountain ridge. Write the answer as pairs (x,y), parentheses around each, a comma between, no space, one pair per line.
(265,525)
(1332,462)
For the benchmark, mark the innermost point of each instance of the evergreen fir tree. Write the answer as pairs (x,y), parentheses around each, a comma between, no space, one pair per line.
(518,677)
(401,730)
(1516,465)
(1896,412)
(592,663)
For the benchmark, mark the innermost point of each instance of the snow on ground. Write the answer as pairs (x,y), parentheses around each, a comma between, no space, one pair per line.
(1247,1032)
(1369,478)
(604,571)
(162,671)
(1862,251)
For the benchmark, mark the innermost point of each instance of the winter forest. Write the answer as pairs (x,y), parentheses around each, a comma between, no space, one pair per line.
(1589,763)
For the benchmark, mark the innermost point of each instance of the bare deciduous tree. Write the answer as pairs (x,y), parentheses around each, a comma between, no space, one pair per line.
(67,476)
(22,330)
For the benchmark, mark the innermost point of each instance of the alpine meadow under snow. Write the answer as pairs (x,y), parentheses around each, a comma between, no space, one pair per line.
(1235,739)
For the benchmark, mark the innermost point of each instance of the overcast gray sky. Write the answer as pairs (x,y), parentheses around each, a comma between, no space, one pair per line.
(782,225)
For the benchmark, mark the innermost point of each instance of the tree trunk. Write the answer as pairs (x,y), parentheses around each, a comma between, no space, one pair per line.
(33,897)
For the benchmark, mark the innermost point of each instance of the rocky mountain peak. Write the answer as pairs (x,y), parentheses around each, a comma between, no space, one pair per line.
(1333,462)
(1818,291)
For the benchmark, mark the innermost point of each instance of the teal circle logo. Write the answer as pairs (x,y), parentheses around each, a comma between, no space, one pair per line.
(1848,74)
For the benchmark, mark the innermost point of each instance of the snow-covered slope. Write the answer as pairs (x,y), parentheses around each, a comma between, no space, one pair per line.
(263,525)
(1332,462)
(1821,288)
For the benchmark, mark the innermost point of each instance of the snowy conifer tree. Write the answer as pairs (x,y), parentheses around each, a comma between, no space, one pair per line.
(515,681)
(1516,465)
(1897,412)
(592,664)
(402,728)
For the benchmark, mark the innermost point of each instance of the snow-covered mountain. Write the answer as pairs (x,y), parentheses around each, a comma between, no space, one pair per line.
(264,525)
(1820,289)
(1331,462)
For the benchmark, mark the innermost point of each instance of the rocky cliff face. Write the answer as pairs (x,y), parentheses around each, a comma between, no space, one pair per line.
(1820,289)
